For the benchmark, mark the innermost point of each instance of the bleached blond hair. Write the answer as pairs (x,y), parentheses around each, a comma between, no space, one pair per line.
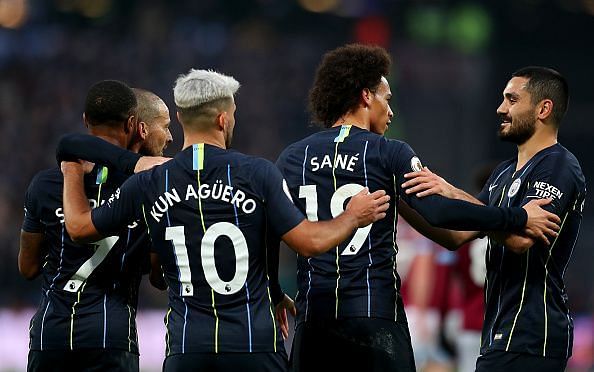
(202,86)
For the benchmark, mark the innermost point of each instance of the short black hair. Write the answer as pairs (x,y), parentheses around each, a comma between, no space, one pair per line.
(343,73)
(546,83)
(147,107)
(109,102)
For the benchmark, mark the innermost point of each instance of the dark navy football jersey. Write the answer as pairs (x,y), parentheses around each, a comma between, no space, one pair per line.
(358,278)
(526,302)
(208,211)
(89,291)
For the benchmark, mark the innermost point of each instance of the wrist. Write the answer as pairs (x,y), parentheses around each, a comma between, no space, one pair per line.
(350,219)
(71,168)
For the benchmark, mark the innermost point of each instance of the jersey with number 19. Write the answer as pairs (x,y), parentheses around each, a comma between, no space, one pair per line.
(359,278)
(208,211)
(89,291)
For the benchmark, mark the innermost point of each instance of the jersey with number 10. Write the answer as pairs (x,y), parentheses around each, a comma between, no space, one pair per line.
(89,291)
(208,211)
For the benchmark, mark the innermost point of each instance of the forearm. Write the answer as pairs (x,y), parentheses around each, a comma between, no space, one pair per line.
(513,242)
(77,211)
(83,146)
(449,239)
(314,238)
(463,195)
(30,254)
(465,216)
(272,263)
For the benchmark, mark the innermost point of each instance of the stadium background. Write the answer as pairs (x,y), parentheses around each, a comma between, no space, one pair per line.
(451,62)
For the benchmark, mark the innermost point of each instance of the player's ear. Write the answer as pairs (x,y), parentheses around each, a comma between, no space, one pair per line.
(366,96)
(142,130)
(131,124)
(545,109)
(221,120)
(85,120)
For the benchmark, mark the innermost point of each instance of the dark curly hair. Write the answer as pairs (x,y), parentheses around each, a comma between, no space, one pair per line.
(341,76)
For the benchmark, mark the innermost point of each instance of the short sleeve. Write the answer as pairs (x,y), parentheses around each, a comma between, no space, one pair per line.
(123,207)
(32,220)
(282,214)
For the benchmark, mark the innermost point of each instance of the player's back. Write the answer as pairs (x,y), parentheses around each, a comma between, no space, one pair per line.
(207,212)
(358,278)
(89,291)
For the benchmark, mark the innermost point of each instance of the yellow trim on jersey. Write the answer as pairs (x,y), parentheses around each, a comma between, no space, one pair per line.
(216,338)
(337,140)
(167,332)
(394,247)
(129,328)
(272,315)
(270,305)
(72,315)
(511,333)
(200,203)
(544,296)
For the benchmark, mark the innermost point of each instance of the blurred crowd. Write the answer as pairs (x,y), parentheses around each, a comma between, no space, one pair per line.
(445,101)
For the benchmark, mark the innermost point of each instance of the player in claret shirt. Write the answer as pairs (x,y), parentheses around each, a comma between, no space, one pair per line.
(208,212)
(86,317)
(349,310)
(527,320)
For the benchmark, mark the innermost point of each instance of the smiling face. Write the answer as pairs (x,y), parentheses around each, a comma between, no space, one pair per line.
(517,112)
(381,113)
(158,136)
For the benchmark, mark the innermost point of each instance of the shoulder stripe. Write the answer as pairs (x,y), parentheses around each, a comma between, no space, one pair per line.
(344,133)
(198,156)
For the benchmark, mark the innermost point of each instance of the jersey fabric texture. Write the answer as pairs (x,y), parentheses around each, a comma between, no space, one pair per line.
(358,278)
(208,212)
(526,302)
(89,291)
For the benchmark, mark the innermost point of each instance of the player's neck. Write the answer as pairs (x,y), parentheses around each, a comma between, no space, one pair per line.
(111,135)
(359,118)
(540,140)
(204,137)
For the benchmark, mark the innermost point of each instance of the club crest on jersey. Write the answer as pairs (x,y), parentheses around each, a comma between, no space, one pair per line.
(513,189)
(415,164)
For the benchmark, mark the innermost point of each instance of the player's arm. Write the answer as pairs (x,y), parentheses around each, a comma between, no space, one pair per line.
(424,183)
(84,224)
(91,148)
(156,274)
(32,245)
(77,210)
(449,239)
(31,251)
(314,238)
